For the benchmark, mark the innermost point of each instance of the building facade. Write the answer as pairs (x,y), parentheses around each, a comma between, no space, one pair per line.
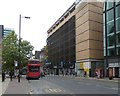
(1,36)
(112,37)
(75,41)
(89,38)
(1,32)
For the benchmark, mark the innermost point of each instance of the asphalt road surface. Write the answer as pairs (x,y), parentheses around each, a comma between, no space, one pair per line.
(70,85)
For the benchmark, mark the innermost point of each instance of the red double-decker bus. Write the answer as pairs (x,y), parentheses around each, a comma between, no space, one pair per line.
(33,69)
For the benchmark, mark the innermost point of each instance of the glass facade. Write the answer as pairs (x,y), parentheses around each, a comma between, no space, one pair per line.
(111,30)
(61,45)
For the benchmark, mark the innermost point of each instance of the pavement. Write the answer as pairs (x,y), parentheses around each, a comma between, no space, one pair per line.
(15,87)
(3,86)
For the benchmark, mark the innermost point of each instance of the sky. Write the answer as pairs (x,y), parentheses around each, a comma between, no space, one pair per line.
(43,14)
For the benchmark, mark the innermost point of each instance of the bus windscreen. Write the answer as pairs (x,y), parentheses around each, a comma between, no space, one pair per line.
(34,68)
(33,62)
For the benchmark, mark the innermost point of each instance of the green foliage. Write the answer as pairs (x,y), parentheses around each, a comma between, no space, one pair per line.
(10,51)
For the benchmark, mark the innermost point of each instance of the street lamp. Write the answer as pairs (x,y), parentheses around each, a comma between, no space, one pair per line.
(20,41)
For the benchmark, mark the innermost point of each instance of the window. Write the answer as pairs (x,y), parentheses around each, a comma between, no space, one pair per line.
(33,62)
(111,51)
(117,25)
(110,15)
(117,2)
(110,4)
(33,68)
(118,11)
(118,39)
(111,40)
(110,27)
(118,50)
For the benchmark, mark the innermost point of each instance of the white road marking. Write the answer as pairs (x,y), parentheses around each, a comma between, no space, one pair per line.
(53,90)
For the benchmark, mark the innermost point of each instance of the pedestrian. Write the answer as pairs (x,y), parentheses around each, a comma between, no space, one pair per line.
(85,74)
(3,76)
(11,75)
(41,75)
(96,74)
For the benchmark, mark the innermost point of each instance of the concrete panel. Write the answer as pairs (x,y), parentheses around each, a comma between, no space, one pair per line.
(98,45)
(82,55)
(96,35)
(96,26)
(80,29)
(95,17)
(98,4)
(95,9)
(81,6)
(82,19)
(82,46)
(82,37)
(82,12)
(97,54)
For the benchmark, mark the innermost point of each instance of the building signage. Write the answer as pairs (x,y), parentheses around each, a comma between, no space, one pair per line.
(114,64)
(81,65)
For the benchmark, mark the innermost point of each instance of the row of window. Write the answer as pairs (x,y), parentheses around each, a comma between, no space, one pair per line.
(112,34)
(61,44)
(110,4)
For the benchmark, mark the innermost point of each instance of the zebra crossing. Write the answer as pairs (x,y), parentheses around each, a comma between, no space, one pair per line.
(54,90)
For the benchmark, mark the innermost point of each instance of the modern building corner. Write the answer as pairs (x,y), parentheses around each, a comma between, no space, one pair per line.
(85,39)
(89,38)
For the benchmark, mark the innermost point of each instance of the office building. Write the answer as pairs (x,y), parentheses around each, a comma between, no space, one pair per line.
(1,36)
(1,32)
(112,37)
(75,41)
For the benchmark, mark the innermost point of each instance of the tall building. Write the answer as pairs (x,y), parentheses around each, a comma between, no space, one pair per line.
(1,36)
(75,41)
(112,37)
(61,42)
(1,32)
(89,38)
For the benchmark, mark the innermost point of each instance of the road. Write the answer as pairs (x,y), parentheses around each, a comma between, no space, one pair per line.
(69,85)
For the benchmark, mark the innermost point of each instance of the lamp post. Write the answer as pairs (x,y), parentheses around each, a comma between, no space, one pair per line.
(20,42)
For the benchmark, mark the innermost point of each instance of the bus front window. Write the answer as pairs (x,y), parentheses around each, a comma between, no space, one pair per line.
(33,68)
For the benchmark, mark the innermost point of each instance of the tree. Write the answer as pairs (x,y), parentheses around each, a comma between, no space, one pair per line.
(25,52)
(10,51)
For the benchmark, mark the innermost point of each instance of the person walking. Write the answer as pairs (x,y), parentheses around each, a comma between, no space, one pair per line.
(11,74)
(3,76)
(85,74)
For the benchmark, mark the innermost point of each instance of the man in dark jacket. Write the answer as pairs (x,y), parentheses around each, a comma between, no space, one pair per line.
(3,76)
(11,75)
